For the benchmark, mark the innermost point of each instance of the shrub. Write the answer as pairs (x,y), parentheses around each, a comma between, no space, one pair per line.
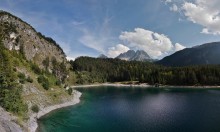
(41,79)
(22,81)
(35,108)
(35,68)
(21,75)
(45,85)
(29,79)
(58,82)
(44,82)
(70,90)
(14,69)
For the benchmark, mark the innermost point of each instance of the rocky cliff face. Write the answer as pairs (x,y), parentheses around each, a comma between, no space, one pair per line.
(127,55)
(131,55)
(7,122)
(24,47)
(20,36)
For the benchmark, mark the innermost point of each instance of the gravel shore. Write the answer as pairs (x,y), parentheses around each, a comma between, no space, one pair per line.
(32,122)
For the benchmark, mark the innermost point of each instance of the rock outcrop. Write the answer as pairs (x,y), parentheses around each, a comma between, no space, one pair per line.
(131,55)
(20,36)
(7,123)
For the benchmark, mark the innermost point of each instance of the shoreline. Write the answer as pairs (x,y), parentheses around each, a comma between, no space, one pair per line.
(32,123)
(143,85)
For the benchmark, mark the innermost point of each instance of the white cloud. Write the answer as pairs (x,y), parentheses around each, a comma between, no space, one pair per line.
(156,45)
(99,37)
(178,47)
(174,8)
(92,41)
(70,58)
(205,13)
(167,1)
(118,49)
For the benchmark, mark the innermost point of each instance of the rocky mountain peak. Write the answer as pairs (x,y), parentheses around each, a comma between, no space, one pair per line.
(20,36)
(139,55)
(127,55)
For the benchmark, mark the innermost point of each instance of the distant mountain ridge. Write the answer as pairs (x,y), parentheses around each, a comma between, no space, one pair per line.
(102,56)
(131,55)
(208,53)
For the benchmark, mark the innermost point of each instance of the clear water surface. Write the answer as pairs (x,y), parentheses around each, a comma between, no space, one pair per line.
(113,109)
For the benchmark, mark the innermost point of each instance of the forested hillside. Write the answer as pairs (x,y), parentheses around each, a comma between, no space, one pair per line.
(204,54)
(90,70)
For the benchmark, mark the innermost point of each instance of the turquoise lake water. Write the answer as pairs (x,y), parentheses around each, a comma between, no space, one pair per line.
(111,109)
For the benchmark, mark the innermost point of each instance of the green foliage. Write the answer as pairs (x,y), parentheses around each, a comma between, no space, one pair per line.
(44,82)
(35,68)
(22,81)
(58,82)
(11,100)
(90,70)
(59,70)
(70,90)
(7,28)
(10,90)
(21,75)
(46,85)
(35,108)
(46,63)
(29,79)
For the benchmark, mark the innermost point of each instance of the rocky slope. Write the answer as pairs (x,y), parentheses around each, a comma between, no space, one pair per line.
(127,55)
(20,36)
(131,55)
(32,55)
(141,55)
(7,122)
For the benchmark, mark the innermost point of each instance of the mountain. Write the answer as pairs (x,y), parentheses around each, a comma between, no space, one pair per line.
(131,55)
(102,56)
(141,55)
(34,74)
(199,55)
(127,55)
(22,37)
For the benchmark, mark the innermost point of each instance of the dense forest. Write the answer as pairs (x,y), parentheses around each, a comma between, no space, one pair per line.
(90,70)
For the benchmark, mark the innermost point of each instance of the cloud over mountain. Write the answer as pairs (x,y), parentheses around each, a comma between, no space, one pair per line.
(155,44)
(116,50)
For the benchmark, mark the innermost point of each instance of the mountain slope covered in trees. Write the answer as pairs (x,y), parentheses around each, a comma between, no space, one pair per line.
(199,55)
(90,70)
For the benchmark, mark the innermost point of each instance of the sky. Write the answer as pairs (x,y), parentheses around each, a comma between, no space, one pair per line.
(111,27)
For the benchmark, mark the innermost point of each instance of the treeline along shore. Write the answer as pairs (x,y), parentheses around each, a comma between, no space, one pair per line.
(95,70)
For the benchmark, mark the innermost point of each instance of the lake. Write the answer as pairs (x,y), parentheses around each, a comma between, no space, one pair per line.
(113,109)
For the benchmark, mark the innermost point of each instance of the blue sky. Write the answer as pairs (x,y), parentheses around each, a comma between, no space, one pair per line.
(110,27)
